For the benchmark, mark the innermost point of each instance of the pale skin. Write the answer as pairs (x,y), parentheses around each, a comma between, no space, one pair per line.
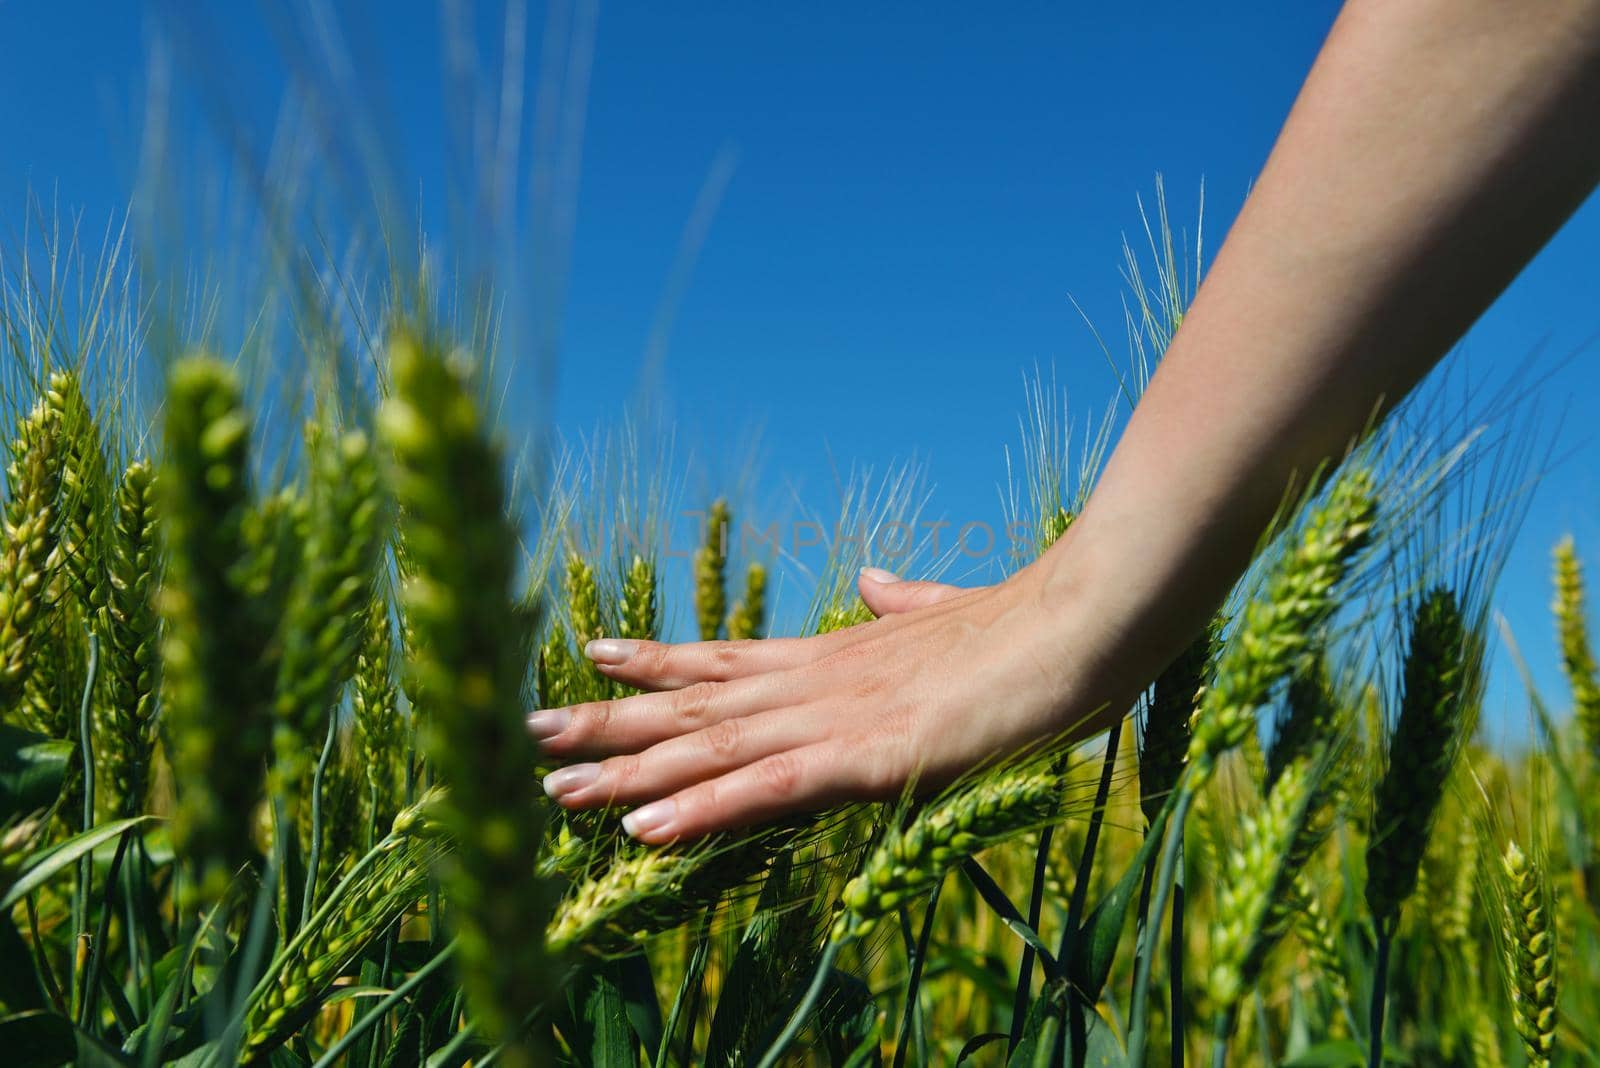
(1435,147)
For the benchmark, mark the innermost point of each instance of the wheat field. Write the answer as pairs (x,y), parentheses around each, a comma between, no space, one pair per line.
(267,795)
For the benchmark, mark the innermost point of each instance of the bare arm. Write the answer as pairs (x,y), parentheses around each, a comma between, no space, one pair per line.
(1435,147)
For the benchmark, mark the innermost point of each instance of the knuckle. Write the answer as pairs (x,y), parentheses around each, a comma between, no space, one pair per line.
(593,719)
(620,771)
(724,739)
(692,704)
(724,656)
(780,774)
(656,658)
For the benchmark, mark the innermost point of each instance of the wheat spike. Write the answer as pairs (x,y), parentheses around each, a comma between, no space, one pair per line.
(34,480)
(710,573)
(1434,711)
(375,701)
(1165,741)
(216,699)
(1279,625)
(84,478)
(748,617)
(1530,956)
(344,530)
(467,658)
(362,910)
(1577,656)
(1253,905)
(640,601)
(130,626)
(970,817)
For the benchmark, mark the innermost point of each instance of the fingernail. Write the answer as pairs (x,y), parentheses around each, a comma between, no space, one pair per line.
(651,817)
(611,651)
(878,574)
(549,722)
(564,781)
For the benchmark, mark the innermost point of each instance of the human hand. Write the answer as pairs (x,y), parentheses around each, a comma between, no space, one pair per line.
(740,732)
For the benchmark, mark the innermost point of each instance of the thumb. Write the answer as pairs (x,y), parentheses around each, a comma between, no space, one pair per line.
(885,594)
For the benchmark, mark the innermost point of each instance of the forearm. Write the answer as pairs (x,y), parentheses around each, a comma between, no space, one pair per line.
(1436,145)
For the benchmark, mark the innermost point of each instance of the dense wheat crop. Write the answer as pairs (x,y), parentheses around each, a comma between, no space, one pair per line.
(267,795)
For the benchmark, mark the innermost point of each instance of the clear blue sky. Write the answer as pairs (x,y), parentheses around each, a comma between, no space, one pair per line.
(915,192)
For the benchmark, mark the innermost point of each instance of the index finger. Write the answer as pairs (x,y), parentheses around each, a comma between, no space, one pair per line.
(667,666)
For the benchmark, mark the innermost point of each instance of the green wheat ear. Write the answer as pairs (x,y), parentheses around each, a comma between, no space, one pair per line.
(84,480)
(748,618)
(640,600)
(1279,625)
(345,527)
(1530,955)
(1165,739)
(34,479)
(710,573)
(1053,527)
(1253,906)
(1433,718)
(557,670)
(467,645)
(362,908)
(583,610)
(1577,656)
(130,626)
(375,701)
(969,817)
(215,636)
(643,892)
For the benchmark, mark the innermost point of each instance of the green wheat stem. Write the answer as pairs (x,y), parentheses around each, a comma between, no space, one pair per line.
(691,975)
(91,981)
(86,865)
(1138,1019)
(1076,1033)
(314,850)
(1221,1031)
(914,980)
(802,1011)
(1380,996)
(1024,987)
(331,1056)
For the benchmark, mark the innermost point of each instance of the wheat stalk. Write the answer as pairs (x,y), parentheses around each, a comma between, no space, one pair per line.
(1253,905)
